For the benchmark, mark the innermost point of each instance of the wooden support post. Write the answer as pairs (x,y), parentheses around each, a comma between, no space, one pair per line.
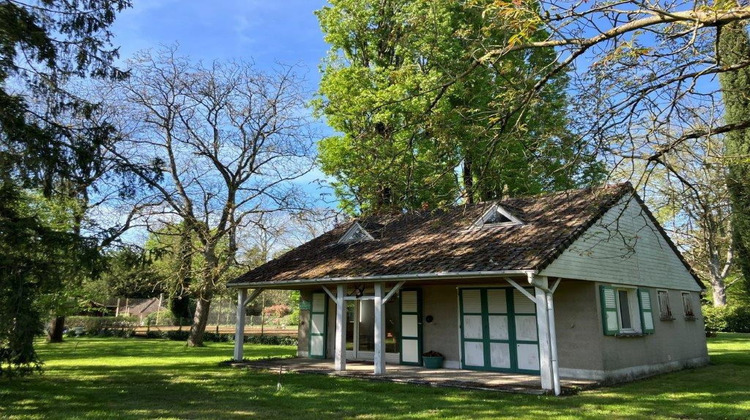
(542,320)
(239,334)
(379,330)
(339,363)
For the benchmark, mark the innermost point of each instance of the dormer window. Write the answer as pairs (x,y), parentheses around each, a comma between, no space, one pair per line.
(497,216)
(356,233)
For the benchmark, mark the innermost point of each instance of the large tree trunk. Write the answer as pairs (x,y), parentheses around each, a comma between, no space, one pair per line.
(200,319)
(56,327)
(720,293)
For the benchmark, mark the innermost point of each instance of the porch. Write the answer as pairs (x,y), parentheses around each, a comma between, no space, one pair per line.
(508,329)
(451,378)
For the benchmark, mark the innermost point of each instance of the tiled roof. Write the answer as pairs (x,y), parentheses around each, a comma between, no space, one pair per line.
(443,241)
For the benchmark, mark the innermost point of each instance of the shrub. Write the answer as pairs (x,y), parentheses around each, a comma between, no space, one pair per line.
(218,338)
(714,318)
(164,316)
(277,310)
(727,318)
(106,326)
(272,340)
(178,335)
(294,317)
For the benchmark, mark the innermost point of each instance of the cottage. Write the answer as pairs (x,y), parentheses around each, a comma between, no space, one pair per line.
(581,284)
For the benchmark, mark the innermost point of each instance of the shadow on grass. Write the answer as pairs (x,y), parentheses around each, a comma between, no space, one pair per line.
(155,378)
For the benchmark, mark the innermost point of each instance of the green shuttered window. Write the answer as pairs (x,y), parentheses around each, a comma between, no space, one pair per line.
(621,316)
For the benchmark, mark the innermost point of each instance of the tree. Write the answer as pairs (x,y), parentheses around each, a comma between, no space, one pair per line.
(128,271)
(217,146)
(35,253)
(642,75)
(734,51)
(405,133)
(697,213)
(43,45)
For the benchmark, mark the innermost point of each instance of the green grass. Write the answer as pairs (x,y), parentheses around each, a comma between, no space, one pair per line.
(132,378)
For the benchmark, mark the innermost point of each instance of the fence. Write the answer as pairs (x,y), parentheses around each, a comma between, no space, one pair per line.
(222,313)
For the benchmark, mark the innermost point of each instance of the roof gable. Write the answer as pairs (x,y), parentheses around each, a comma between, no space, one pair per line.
(626,245)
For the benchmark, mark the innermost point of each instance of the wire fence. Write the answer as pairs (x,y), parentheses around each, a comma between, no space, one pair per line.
(222,313)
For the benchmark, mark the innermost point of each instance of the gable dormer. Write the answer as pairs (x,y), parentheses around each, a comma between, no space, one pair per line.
(355,233)
(496,216)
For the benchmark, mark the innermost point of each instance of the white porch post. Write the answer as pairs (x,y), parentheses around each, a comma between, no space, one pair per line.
(542,320)
(379,330)
(339,363)
(239,334)
(553,342)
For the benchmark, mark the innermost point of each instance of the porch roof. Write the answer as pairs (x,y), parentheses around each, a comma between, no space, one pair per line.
(444,243)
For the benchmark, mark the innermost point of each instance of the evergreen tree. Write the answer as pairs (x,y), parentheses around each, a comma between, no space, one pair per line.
(734,50)
(44,44)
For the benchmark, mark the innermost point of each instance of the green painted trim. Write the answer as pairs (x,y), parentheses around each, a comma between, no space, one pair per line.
(646,312)
(401,313)
(604,310)
(486,340)
(324,334)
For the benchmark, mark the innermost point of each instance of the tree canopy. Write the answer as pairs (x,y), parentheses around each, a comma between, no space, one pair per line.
(408,139)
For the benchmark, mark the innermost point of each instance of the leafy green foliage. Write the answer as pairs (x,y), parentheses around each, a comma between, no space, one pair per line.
(130,273)
(394,85)
(51,141)
(34,256)
(734,49)
(104,326)
(730,318)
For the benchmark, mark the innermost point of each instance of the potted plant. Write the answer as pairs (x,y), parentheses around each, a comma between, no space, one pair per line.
(432,360)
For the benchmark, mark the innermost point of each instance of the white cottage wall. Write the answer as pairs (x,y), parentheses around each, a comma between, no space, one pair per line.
(623,247)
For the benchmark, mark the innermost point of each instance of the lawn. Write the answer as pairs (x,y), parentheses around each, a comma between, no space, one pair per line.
(135,378)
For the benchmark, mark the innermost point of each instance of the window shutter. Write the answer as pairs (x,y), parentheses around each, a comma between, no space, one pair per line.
(647,317)
(609,310)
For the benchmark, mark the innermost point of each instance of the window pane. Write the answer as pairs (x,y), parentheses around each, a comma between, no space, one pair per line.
(624,310)
(392,325)
(366,325)
(350,319)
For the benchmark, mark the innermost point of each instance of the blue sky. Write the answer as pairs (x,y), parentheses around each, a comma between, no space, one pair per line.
(266,31)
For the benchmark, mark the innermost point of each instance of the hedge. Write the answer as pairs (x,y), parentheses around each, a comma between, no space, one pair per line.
(106,326)
(276,340)
(727,319)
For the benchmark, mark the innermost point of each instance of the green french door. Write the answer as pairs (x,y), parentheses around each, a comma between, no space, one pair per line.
(318,325)
(410,313)
(498,330)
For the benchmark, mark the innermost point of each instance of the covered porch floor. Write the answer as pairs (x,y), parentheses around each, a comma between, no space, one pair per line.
(454,378)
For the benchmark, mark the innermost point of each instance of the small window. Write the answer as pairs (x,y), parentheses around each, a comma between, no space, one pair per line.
(665,310)
(356,233)
(687,305)
(628,314)
(496,216)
